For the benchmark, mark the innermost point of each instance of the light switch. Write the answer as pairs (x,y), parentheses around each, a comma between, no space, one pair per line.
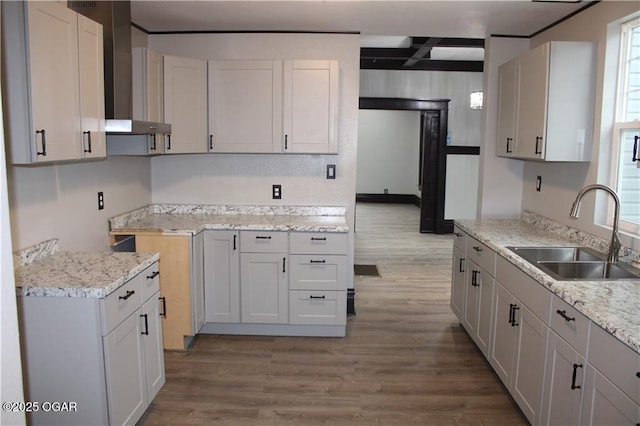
(331,171)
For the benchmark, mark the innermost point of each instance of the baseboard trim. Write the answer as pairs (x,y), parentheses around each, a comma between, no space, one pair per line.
(389,198)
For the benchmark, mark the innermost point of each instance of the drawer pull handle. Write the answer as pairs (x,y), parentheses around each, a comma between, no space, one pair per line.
(573,379)
(146,324)
(461,266)
(478,249)
(317,261)
(512,314)
(318,238)
(316,297)
(564,315)
(164,306)
(260,237)
(235,246)
(284,262)
(128,295)
(152,276)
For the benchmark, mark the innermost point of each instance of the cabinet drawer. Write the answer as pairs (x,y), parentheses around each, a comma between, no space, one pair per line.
(149,281)
(460,239)
(318,272)
(264,242)
(570,324)
(616,361)
(482,255)
(318,243)
(117,306)
(318,307)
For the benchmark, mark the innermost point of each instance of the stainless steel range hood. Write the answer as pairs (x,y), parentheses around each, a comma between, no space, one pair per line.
(115,17)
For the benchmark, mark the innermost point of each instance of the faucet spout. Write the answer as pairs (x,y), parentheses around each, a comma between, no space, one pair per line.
(615,244)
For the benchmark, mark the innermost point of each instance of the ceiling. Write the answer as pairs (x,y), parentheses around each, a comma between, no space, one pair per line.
(432,24)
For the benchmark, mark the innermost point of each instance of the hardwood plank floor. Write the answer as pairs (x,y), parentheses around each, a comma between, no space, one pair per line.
(405,360)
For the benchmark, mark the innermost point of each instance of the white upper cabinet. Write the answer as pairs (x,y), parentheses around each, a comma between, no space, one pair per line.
(554,103)
(273,106)
(185,104)
(44,44)
(507,108)
(245,100)
(91,60)
(310,106)
(148,99)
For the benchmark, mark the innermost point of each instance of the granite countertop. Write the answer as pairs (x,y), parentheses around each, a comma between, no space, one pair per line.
(76,274)
(613,305)
(195,218)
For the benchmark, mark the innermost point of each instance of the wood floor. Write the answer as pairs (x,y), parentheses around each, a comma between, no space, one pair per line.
(405,360)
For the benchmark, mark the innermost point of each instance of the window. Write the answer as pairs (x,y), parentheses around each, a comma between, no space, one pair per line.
(626,129)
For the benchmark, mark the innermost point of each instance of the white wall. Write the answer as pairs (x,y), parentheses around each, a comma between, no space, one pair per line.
(388,151)
(464,123)
(461,185)
(48,201)
(500,179)
(561,182)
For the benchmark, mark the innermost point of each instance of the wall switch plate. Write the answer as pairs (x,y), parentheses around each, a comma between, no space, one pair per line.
(538,183)
(100,200)
(276,192)
(331,171)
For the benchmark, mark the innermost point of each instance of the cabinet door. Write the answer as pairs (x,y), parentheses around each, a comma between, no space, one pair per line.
(91,59)
(175,284)
(472,295)
(562,397)
(458,283)
(504,334)
(507,108)
(605,404)
(124,365)
(264,288)
(310,106)
(185,104)
(485,304)
(152,342)
(53,70)
(532,103)
(222,276)
(245,106)
(529,365)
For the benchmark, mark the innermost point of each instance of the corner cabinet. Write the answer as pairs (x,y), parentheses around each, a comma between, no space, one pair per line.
(273,106)
(185,105)
(103,355)
(548,79)
(53,59)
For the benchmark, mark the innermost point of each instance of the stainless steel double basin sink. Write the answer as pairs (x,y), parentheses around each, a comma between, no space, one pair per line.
(575,263)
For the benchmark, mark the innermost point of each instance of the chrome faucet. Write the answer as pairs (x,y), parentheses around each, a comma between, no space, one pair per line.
(616,244)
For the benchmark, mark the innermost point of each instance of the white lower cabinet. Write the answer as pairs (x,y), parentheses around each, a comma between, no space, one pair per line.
(458,282)
(103,355)
(275,282)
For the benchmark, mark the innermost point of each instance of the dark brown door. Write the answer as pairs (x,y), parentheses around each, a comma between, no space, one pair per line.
(430,139)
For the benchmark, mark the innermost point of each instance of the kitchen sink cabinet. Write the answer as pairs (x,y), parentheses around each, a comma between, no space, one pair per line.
(548,78)
(179,282)
(104,355)
(222,276)
(185,105)
(53,59)
(292,105)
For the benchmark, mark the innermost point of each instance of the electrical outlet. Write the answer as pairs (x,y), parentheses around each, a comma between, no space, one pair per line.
(100,200)
(538,183)
(331,171)
(276,192)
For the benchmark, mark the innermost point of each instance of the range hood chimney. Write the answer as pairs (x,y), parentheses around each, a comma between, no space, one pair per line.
(115,17)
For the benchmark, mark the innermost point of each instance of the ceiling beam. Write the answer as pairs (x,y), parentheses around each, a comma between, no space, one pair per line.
(386,53)
(423,51)
(425,65)
(449,42)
